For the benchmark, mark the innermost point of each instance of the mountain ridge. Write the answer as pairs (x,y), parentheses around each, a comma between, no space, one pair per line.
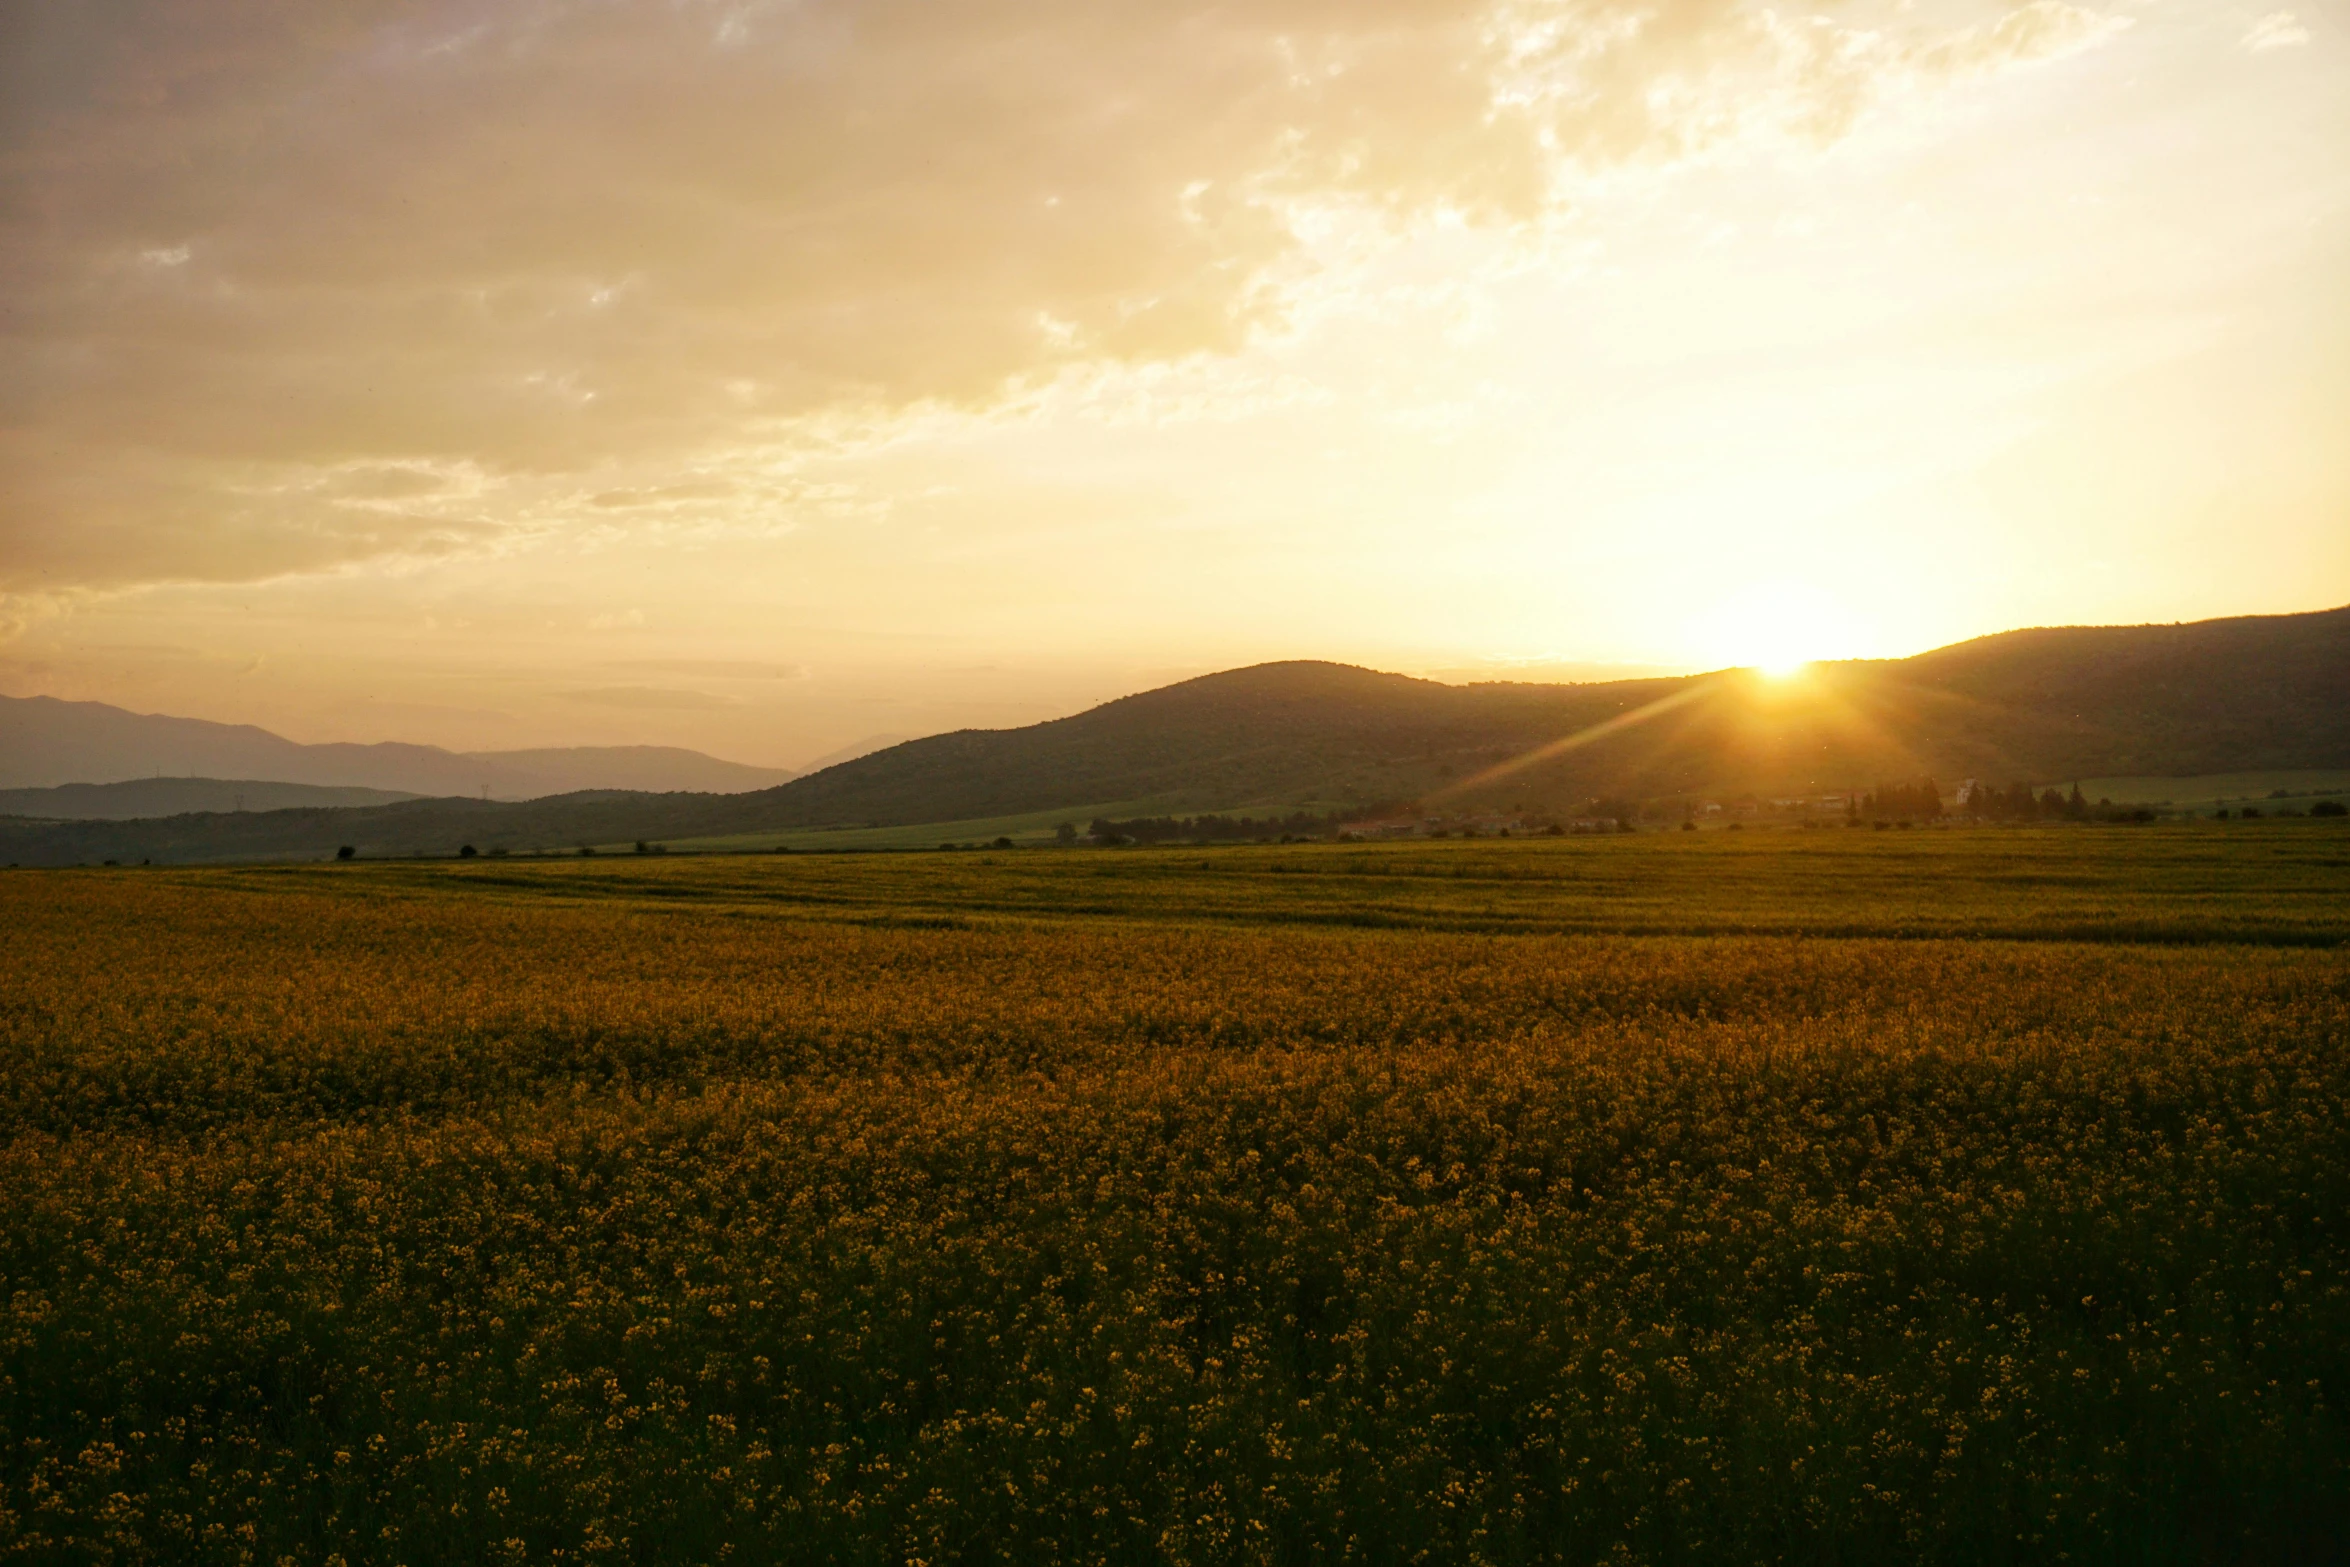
(2038,705)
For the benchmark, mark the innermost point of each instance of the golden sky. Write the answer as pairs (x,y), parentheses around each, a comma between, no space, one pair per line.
(759,376)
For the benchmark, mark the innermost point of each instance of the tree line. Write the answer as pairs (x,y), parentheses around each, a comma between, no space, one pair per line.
(2017,803)
(1211,829)
(1919,801)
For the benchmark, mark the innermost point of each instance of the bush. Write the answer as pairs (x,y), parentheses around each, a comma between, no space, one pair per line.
(346,852)
(2329,808)
(467,851)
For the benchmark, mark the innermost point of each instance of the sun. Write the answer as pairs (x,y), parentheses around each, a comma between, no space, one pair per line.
(1779,649)
(1776,628)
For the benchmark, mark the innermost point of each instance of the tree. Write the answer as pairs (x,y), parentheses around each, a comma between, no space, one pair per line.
(1905,801)
(346,852)
(1065,834)
(467,852)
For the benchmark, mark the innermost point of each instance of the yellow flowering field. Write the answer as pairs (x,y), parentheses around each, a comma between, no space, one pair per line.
(1966,1197)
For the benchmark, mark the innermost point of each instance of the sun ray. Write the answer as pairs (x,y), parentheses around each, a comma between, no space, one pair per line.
(1576,741)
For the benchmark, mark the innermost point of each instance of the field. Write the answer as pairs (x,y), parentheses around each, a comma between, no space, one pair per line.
(2210,789)
(1683,1198)
(1031,828)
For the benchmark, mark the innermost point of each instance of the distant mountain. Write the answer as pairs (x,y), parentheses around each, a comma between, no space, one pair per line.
(45,742)
(651,768)
(2256,693)
(424,826)
(142,797)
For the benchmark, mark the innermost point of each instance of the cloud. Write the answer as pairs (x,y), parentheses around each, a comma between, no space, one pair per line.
(2031,34)
(662,496)
(2277,30)
(298,287)
(718,668)
(651,698)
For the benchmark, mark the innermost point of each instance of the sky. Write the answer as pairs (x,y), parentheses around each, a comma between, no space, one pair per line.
(762,376)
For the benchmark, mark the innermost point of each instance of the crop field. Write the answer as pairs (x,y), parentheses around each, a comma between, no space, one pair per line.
(1808,1197)
(2296,785)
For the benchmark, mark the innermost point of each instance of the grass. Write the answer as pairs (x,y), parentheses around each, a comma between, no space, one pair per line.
(1773,1196)
(1030,828)
(2267,882)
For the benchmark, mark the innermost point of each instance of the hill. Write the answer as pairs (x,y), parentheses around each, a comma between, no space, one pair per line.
(2036,706)
(650,768)
(135,798)
(46,742)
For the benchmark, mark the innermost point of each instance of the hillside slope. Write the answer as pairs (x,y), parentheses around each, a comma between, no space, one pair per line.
(2257,692)
(2032,706)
